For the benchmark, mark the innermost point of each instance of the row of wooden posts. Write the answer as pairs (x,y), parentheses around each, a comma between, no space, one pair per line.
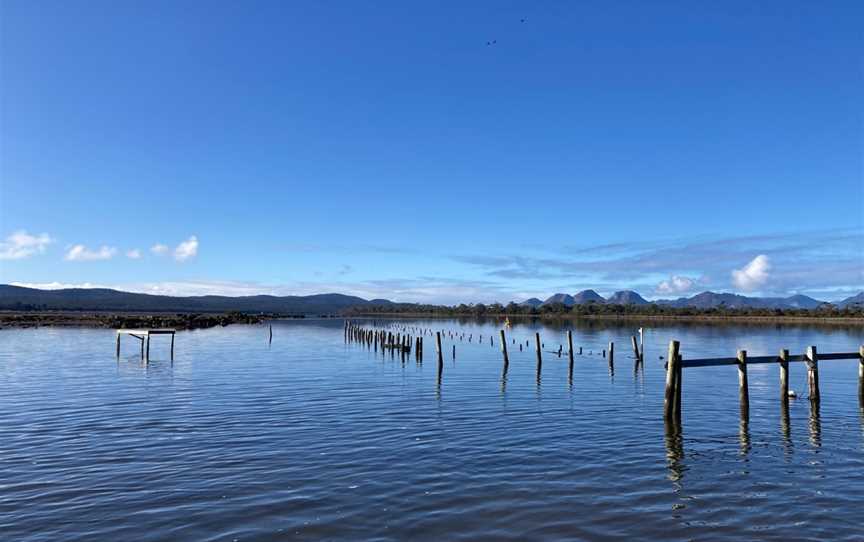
(402,341)
(676,363)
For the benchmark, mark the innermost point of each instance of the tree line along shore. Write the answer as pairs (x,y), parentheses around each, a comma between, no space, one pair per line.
(823,314)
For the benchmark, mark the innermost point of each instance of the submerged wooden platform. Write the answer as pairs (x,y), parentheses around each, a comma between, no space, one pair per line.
(143,335)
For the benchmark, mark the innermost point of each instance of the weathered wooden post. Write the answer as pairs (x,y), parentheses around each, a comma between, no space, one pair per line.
(454,351)
(504,349)
(172,346)
(861,374)
(570,350)
(743,389)
(784,375)
(636,354)
(611,352)
(580,350)
(671,375)
(147,355)
(813,373)
(539,355)
(142,347)
(440,352)
(678,379)
(118,344)
(269,341)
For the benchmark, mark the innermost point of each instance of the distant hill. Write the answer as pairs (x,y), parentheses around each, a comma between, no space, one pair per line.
(532,302)
(708,300)
(854,301)
(587,296)
(564,299)
(626,297)
(101,299)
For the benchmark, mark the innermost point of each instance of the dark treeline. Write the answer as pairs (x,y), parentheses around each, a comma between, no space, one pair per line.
(600,309)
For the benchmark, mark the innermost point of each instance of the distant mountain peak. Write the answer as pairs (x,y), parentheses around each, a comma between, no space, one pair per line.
(626,297)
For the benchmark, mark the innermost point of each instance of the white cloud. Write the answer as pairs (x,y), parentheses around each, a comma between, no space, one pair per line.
(133,254)
(753,275)
(22,245)
(57,285)
(676,284)
(187,249)
(159,249)
(80,253)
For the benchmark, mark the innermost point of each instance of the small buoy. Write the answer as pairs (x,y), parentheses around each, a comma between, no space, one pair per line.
(792,393)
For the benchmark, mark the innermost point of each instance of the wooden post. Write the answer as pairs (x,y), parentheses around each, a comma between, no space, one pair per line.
(813,373)
(784,375)
(142,347)
(671,376)
(580,350)
(861,374)
(611,352)
(172,346)
(504,349)
(678,380)
(118,345)
(636,353)
(270,340)
(570,350)
(539,355)
(743,389)
(147,355)
(440,352)
(454,351)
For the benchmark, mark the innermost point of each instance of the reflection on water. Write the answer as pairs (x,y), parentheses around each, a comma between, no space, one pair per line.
(306,437)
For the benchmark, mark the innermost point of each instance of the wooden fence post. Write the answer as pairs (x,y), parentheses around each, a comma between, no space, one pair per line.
(504,349)
(539,355)
(172,346)
(118,345)
(744,391)
(813,373)
(570,350)
(636,353)
(784,375)
(611,352)
(671,376)
(440,352)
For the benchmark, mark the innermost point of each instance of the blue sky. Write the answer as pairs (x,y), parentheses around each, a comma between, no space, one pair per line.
(386,150)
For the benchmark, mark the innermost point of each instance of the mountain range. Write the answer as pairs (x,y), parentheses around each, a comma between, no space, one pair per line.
(704,300)
(103,299)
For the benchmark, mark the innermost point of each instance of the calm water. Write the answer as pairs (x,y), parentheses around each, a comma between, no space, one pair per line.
(312,439)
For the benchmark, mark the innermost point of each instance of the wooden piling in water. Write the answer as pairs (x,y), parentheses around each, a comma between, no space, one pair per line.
(784,375)
(813,373)
(440,352)
(861,375)
(636,354)
(743,388)
(504,349)
(611,352)
(539,354)
(118,345)
(172,347)
(671,376)
(570,351)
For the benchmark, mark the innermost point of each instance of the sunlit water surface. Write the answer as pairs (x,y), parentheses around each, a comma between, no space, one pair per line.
(313,439)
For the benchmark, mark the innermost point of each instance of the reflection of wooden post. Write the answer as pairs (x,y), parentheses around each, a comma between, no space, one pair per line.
(671,376)
(813,373)
(504,348)
(784,376)
(570,349)
(539,355)
(118,345)
(743,388)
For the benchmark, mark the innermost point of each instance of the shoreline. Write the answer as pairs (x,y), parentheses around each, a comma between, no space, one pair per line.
(125,319)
